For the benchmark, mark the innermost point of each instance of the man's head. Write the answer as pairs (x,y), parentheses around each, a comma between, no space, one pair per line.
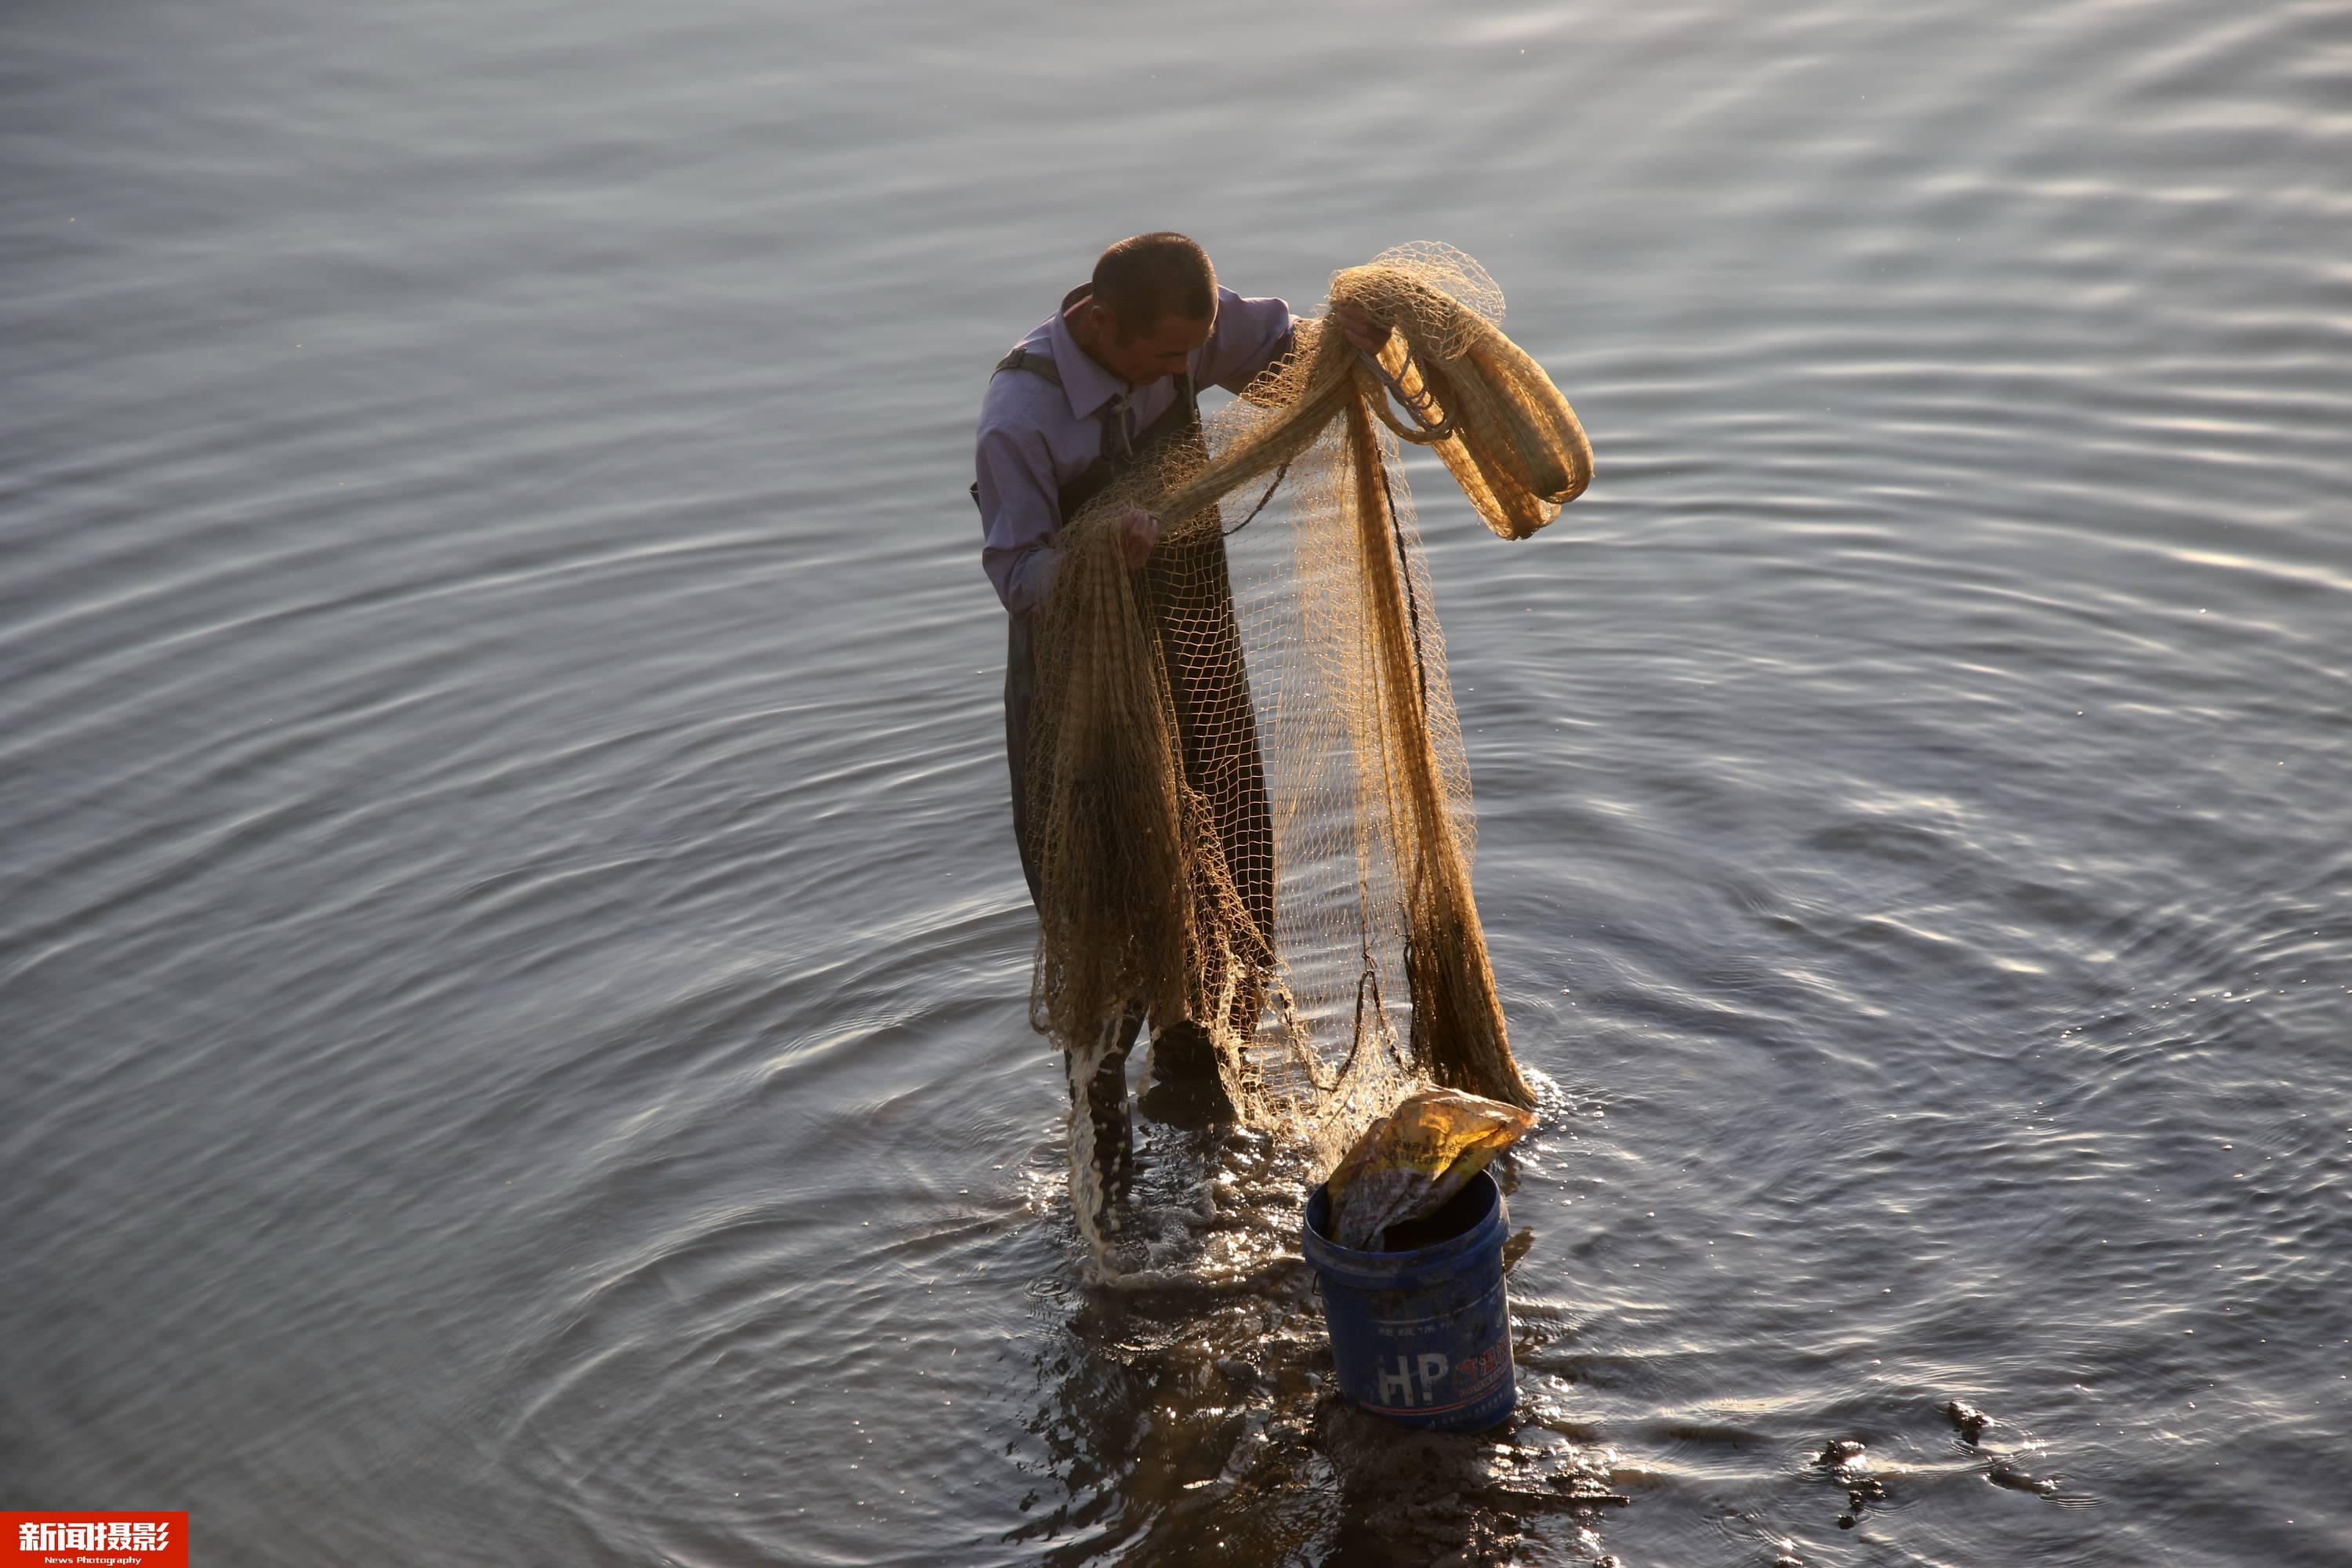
(1153,302)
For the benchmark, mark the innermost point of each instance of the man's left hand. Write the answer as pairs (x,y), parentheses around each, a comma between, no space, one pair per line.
(1357,325)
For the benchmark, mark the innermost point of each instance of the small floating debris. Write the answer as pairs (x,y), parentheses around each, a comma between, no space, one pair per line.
(1584,1491)
(2004,1474)
(1845,1460)
(2048,1488)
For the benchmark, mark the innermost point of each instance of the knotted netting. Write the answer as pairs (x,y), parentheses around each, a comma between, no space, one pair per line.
(1252,801)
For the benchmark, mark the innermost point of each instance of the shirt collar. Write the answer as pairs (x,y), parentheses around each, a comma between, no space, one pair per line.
(1087,383)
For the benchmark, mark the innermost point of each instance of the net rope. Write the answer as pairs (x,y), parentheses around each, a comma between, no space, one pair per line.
(1253,802)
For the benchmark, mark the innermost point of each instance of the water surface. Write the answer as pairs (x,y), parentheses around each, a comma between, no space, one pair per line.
(512,960)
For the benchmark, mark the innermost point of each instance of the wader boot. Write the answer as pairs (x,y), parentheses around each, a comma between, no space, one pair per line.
(1102,1131)
(1186,1089)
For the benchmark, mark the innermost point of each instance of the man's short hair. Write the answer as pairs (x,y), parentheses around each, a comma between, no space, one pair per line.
(1140,280)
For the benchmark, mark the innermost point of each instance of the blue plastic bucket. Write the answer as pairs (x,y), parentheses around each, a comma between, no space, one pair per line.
(1422,1337)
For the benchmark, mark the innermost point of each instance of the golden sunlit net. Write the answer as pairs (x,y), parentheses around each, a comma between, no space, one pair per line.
(1170,877)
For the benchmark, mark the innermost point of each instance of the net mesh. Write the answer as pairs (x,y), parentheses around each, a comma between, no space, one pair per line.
(1252,805)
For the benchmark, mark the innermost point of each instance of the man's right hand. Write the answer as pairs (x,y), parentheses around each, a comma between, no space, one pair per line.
(1139,530)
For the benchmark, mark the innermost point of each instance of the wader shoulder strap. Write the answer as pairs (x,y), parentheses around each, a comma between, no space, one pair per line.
(1035,365)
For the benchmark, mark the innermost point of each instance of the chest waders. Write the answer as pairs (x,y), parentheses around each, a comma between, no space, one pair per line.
(1190,590)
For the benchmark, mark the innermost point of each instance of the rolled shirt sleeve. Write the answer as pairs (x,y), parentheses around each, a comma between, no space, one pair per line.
(1249,335)
(1018,501)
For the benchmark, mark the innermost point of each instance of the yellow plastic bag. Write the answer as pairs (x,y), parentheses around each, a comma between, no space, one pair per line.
(1410,1162)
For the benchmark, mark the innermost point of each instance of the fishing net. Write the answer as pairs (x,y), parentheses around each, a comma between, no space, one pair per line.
(1251,798)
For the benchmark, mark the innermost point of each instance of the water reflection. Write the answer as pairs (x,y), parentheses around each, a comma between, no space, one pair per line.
(1198,1421)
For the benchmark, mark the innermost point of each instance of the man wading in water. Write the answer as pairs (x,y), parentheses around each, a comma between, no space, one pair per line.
(1101,384)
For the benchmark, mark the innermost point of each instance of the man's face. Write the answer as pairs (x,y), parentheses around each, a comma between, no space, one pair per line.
(1146,357)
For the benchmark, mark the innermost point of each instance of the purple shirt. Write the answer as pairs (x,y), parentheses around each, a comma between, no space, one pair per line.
(1036,438)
